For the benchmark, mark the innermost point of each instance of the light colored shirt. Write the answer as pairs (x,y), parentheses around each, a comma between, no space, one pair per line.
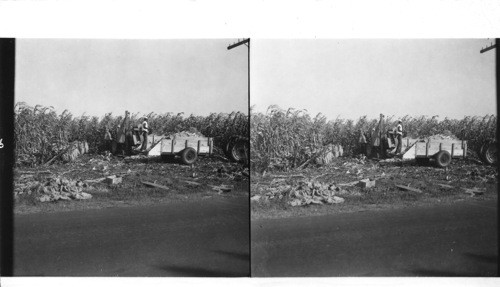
(107,135)
(399,130)
(362,138)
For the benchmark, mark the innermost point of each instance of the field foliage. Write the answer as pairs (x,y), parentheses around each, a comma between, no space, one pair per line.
(40,132)
(287,138)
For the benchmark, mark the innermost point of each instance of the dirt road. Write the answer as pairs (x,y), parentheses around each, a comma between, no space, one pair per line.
(458,239)
(208,237)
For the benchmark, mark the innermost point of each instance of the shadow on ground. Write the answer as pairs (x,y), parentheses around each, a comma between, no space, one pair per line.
(487,265)
(186,271)
(237,255)
(190,271)
(490,259)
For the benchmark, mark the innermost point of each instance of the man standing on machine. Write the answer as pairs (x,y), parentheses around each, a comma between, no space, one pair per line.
(144,133)
(399,136)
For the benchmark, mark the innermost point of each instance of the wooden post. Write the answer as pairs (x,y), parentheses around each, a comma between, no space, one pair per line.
(199,145)
(440,146)
(210,144)
(452,149)
(427,149)
(172,147)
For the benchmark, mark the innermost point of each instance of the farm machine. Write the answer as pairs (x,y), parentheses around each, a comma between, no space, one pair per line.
(186,146)
(440,148)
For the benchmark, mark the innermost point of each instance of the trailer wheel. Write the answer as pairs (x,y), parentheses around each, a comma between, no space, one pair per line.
(188,155)
(489,152)
(481,152)
(443,158)
(227,148)
(239,150)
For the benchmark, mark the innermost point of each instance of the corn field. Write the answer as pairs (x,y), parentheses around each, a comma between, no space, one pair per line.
(41,133)
(287,138)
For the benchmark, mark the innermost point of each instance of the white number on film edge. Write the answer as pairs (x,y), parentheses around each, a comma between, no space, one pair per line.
(1,143)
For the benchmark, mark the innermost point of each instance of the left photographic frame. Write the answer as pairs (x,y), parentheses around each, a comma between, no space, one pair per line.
(130,159)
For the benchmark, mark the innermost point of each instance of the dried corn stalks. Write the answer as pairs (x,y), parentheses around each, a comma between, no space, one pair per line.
(53,189)
(303,193)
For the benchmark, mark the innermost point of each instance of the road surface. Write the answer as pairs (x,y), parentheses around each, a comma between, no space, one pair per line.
(208,237)
(445,240)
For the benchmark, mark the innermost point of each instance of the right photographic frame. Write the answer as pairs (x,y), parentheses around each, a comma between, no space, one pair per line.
(374,157)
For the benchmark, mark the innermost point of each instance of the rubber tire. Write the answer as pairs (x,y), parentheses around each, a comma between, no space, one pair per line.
(227,148)
(189,156)
(239,150)
(443,158)
(489,153)
(481,152)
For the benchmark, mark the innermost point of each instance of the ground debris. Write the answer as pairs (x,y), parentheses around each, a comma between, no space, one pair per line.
(288,175)
(152,184)
(314,192)
(192,182)
(408,188)
(352,183)
(90,171)
(95,180)
(299,192)
(474,191)
(395,182)
(221,188)
(53,189)
(113,179)
(34,172)
(255,197)
(222,158)
(367,183)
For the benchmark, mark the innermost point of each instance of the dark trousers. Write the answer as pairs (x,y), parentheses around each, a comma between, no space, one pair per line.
(144,140)
(107,145)
(399,144)
(362,149)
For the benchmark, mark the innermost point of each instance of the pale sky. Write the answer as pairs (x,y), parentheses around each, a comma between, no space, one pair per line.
(100,76)
(338,77)
(353,78)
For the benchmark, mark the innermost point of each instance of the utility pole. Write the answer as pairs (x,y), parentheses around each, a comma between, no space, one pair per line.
(245,42)
(490,146)
(492,46)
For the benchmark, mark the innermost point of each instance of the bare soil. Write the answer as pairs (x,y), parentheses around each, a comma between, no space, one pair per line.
(461,180)
(201,181)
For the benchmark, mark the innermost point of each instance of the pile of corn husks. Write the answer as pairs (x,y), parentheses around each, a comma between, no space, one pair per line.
(314,192)
(53,189)
(304,193)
